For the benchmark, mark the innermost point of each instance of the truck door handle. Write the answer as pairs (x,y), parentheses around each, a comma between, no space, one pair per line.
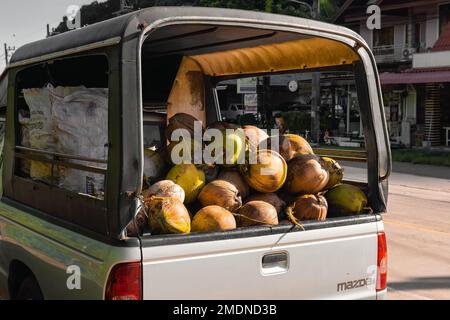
(275,263)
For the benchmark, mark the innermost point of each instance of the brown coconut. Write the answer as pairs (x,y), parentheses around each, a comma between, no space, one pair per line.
(270,198)
(222,125)
(254,135)
(306,175)
(233,177)
(310,207)
(290,146)
(213,218)
(221,193)
(180,121)
(257,213)
(165,188)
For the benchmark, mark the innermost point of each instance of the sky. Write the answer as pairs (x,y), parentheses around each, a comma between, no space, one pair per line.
(24,21)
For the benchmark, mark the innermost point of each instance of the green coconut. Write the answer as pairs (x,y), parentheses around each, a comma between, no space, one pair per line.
(346,200)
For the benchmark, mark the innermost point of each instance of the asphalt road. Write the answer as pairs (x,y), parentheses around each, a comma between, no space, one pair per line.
(418,232)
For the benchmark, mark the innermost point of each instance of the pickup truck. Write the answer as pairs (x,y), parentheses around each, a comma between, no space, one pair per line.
(57,242)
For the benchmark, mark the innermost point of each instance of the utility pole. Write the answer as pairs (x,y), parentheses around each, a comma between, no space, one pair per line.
(8,49)
(316,96)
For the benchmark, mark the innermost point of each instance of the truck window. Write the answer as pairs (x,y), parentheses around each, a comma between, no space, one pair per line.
(285,102)
(61,137)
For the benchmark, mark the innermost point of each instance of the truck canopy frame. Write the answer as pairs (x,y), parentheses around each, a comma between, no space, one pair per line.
(127,38)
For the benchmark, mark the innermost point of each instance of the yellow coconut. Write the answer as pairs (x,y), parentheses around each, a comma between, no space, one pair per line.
(268,174)
(335,171)
(188,177)
(290,146)
(213,218)
(168,215)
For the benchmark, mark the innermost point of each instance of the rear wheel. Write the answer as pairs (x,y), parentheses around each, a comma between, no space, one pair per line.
(29,290)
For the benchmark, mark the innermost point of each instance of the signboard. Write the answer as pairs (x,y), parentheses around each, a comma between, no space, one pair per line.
(251,100)
(247,85)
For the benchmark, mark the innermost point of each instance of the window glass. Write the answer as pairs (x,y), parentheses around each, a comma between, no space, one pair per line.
(383,37)
(285,102)
(62,137)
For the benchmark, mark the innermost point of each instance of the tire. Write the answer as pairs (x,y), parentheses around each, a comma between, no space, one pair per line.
(29,290)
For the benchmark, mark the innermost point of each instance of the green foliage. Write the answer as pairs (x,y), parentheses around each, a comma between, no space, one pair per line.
(99,11)
(437,158)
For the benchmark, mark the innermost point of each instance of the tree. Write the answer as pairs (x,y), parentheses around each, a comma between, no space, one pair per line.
(99,11)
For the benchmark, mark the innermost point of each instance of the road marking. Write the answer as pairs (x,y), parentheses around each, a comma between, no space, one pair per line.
(415,227)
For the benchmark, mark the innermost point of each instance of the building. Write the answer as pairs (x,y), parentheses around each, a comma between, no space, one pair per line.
(412,50)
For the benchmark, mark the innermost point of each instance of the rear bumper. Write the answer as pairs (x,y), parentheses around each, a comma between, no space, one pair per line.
(382,295)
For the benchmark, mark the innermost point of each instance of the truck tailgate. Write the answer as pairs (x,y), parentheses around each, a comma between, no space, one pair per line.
(337,262)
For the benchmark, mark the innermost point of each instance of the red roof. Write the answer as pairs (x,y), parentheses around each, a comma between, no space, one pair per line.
(443,43)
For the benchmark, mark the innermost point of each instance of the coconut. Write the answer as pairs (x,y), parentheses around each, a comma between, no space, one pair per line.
(211,172)
(180,121)
(232,146)
(184,151)
(213,218)
(270,198)
(268,174)
(257,213)
(346,200)
(165,188)
(254,136)
(233,177)
(306,175)
(310,207)
(154,166)
(137,225)
(335,171)
(290,146)
(168,215)
(222,125)
(221,193)
(188,177)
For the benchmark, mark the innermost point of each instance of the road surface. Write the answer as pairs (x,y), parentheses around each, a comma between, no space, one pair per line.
(418,232)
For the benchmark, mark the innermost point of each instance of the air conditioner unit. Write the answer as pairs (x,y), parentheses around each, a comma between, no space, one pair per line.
(408,52)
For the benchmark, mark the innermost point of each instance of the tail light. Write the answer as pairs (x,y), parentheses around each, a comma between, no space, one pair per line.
(382,262)
(125,282)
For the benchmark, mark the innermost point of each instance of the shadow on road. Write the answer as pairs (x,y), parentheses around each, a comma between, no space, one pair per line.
(428,283)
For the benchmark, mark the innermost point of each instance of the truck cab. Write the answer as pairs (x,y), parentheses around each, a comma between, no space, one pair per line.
(64,212)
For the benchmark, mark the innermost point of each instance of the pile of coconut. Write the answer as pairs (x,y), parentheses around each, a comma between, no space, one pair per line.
(291,186)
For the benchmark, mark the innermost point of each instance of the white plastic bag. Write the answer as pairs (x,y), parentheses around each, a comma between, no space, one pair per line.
(40,129)
(81,129)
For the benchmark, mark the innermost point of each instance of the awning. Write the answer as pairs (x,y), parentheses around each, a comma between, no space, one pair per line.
(415,76)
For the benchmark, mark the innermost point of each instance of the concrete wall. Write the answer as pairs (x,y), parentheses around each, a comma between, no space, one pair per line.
(366,34)
(431,59)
